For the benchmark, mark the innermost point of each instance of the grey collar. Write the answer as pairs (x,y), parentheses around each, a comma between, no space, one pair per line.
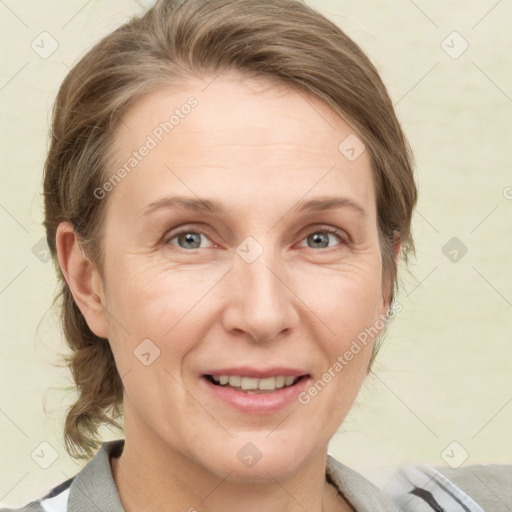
(93,489)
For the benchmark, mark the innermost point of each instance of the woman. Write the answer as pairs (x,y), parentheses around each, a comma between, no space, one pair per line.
(227,196)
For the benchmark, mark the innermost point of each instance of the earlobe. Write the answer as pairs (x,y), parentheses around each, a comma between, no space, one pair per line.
(397,246)
(83,279)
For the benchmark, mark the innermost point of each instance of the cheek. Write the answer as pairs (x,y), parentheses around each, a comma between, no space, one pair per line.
(348,297)
(149,300)
(350,305)
(143,288)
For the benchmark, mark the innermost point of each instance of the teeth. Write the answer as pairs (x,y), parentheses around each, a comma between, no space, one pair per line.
(247,383)
(251,383)
(288,381)
(268,383)
(280,382)
(235,381)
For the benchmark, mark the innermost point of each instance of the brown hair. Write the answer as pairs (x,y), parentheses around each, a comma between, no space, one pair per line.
(175,40)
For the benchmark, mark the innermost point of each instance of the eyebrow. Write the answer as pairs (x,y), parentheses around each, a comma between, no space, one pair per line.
(211,206)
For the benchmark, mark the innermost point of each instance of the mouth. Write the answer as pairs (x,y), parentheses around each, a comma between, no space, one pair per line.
(252,385)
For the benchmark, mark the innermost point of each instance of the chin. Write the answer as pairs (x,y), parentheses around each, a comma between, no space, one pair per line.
(260,457)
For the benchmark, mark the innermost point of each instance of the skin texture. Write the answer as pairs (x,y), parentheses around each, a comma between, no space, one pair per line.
(258,148)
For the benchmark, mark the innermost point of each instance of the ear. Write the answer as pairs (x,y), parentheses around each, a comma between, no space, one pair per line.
(83,279)
(397,245)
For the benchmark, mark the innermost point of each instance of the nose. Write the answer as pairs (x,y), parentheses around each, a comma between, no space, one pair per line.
(261,303)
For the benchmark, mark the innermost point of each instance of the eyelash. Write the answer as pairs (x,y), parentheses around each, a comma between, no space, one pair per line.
(340,234)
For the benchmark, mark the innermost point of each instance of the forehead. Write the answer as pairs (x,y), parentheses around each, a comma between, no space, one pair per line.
(246,138)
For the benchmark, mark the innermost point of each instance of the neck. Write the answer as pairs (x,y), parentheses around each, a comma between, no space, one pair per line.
(151,475)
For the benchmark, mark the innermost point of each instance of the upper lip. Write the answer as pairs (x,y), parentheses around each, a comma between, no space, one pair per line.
(258,373)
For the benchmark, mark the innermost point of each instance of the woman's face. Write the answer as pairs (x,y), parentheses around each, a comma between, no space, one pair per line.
(257,285)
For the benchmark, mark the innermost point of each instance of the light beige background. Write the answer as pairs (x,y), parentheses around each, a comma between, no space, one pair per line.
(444,373)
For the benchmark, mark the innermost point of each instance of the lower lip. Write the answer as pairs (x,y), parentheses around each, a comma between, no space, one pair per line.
(257,403)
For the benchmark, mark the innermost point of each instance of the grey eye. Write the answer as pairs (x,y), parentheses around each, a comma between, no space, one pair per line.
(189,240)
(320,239)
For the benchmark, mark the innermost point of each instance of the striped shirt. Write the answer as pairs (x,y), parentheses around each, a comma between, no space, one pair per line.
(411,489)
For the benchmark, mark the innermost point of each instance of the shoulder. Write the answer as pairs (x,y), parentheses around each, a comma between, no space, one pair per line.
(55,500)
(415,488)
(91,489)
(476,488)
(34,506)
(490,485)
(362,494)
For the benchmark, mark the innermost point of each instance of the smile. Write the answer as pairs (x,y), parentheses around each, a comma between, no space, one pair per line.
(241,383)
(253,395)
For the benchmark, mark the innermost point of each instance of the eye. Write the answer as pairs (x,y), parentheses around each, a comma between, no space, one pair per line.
(188,239)
(320,238)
